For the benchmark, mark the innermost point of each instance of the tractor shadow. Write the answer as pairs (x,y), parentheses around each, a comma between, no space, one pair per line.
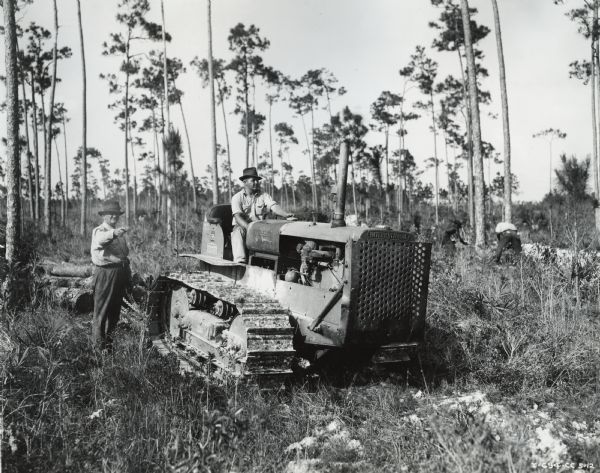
(435,363)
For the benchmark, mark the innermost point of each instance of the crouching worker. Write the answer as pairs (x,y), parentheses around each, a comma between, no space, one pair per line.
(508,238)
(111,274)
(250,205)
(453,235)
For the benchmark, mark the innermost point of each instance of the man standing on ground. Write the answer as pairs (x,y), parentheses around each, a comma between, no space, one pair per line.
(111,273)
(249,205)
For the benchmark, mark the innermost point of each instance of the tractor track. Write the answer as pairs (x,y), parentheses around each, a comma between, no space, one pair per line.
(257,342)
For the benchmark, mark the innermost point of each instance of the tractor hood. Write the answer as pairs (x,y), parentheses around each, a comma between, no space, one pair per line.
(322,231)
(264,235)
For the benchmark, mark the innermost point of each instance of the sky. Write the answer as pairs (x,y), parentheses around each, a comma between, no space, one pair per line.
(363,44)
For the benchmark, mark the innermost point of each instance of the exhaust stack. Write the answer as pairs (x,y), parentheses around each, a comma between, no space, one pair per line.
(340,208)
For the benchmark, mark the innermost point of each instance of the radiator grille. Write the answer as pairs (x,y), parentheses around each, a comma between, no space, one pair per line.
(389,279)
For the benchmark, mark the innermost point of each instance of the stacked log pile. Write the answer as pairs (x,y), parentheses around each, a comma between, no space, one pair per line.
(69,285)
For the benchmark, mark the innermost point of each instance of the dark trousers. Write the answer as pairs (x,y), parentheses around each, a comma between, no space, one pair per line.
(110,285)
(507,240)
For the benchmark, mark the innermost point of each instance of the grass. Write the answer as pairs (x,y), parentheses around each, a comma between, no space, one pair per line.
(511,381)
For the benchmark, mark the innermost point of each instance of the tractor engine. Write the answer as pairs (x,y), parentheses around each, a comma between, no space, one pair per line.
(350,285)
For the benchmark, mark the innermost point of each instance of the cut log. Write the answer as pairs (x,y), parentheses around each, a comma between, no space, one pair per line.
(71,270)
(59,281)
(77,299)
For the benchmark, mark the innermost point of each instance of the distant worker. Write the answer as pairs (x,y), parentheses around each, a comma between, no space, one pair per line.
(508,238)
(351,220)
(112,274)
(416,223)
(250,205)
(453,235)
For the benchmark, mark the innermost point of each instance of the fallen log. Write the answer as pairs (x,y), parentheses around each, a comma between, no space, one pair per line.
(77,299)
(71,270)
(81,299)
(60,281)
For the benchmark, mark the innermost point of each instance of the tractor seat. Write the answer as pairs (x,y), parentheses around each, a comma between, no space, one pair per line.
(221,215)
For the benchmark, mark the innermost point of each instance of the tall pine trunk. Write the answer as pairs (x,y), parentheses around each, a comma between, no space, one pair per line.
(312,168)
(61,187)
(435,157)
(165,172)
(27,141)
(312,158)
(13,163)
(213,119)
(48,147)
(400,156)
(157,178)
(469,148)
(82,224)
(229,184)
(126,129)
(36,152)
(387,168)
(66,189)
(595,82)
(284,192)
(476,129)
(470,190)
(505,120)
(133,161)
(448,179)
(271,149)
(44,118)
(353,179)
(247,117)
(189,147)
(293,185)
(158,182)
(253,125)
(169,164)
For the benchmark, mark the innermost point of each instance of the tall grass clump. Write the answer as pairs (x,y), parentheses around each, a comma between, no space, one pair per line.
(68,408)
(517,327)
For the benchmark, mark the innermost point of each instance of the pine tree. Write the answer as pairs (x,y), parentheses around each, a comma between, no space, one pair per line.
(476,129)
(83,213)
(13,174)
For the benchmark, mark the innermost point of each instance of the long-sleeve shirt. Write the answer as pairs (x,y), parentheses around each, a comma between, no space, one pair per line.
(106,247)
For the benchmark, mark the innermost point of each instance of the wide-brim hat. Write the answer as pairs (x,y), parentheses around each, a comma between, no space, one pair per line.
(250,172)
(111,207)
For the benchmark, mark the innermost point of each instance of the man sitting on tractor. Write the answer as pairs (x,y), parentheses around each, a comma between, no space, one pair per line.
(250,205)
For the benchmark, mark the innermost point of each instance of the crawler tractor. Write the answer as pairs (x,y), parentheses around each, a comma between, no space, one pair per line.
(309,289)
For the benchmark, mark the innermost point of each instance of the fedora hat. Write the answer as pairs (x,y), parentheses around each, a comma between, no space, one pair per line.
(250,172)
(111,207)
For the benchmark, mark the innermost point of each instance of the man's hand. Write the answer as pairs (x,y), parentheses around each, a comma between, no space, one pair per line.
(119,232)
(240,220)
